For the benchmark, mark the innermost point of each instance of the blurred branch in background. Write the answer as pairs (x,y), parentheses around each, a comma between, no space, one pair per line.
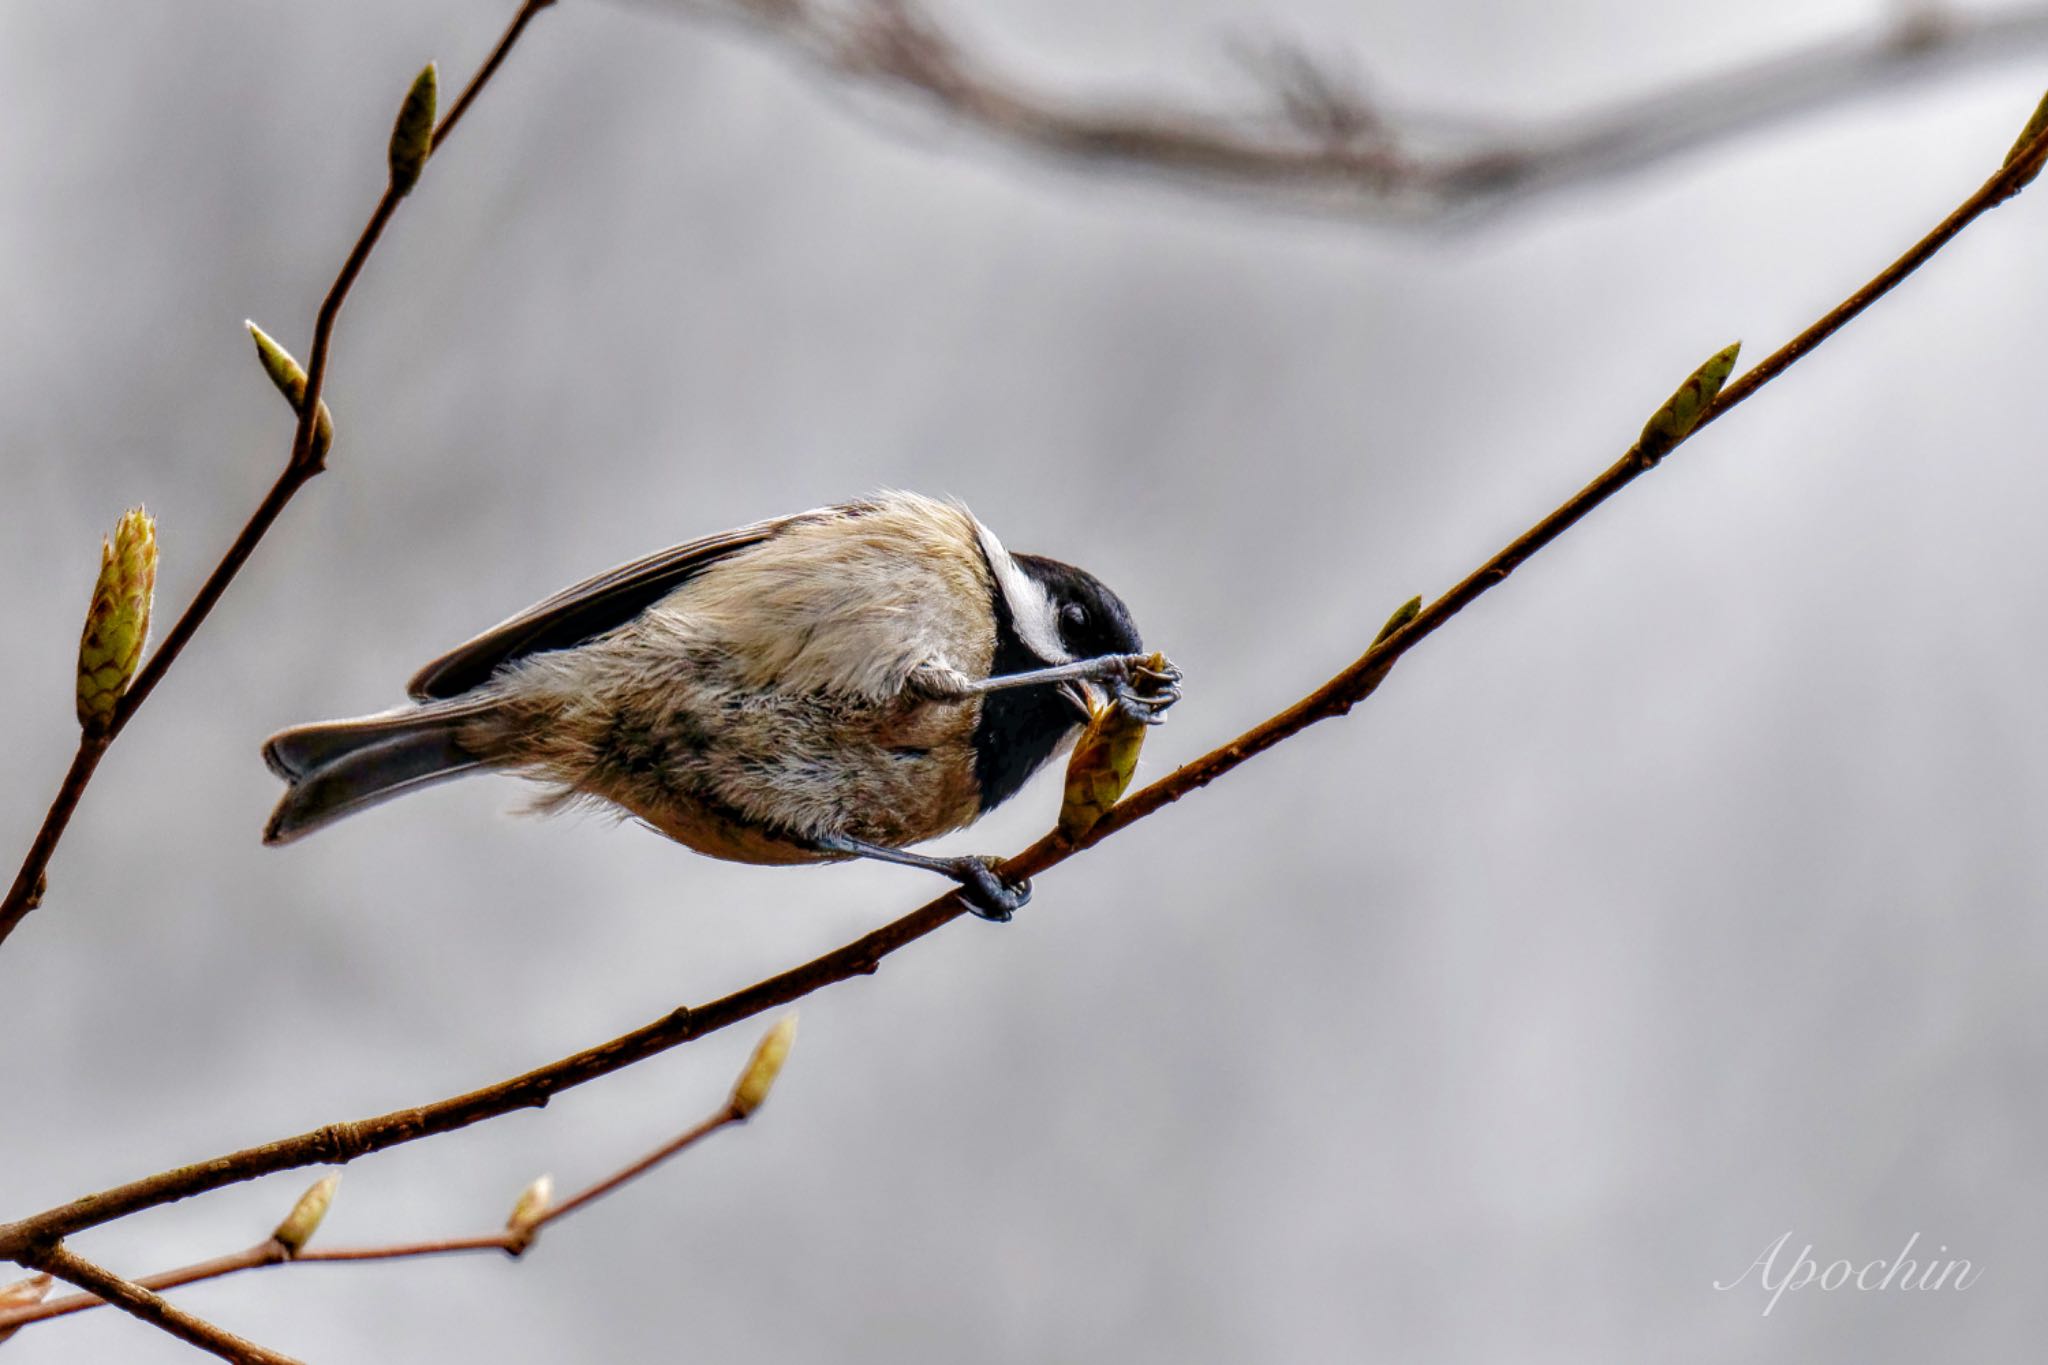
(534,1210)
(1323,144)
(414,138)
(1698,401)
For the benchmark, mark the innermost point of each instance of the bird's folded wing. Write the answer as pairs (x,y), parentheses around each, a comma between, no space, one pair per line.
(582,612)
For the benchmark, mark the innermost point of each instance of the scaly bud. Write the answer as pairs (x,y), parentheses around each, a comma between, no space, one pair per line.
(117,623)
(303,1221)
(1674,421)
(765,1065)
(1103,761)
(291,381)
(412,137)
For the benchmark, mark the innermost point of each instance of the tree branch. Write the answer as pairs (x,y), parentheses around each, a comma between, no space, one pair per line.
(153,1309)
(533,1211)
(343,1142)
(301,466)
(1325,147)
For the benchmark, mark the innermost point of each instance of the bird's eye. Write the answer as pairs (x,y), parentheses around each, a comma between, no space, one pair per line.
(1073,616)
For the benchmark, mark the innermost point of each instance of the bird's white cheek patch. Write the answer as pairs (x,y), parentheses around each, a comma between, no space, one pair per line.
(1030,609)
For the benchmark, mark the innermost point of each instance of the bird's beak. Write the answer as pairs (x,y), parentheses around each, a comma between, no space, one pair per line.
(1085,697)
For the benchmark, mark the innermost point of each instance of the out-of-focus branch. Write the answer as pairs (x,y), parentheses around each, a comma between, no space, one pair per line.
(534,1210)
(343,1142)
(22,1294)
(153,1308)
(306,460)
(1324,146)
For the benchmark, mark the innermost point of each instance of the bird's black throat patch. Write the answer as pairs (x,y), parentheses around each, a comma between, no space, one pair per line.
(1020,726)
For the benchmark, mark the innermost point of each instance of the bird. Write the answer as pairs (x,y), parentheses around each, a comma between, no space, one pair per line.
(840,683)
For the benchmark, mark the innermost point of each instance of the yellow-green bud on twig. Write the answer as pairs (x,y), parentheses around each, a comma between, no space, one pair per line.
(290,378)
(2034,128)
(412,137)
(531,1206)
(1674,421)
(117,623)
(765,1065)
(303,1221)
(1403,614)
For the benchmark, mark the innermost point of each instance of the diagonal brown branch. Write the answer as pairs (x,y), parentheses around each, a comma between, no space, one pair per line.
(344,1142)
(303,464)
(1333,150)
(154,1309)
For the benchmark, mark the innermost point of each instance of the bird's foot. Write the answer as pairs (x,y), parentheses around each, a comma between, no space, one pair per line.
(1150,684)
(984,889)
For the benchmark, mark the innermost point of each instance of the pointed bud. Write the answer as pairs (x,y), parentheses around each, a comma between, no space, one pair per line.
(1403,614)
(412,137)
(765,1065)
(2035,127)
(117,623)
(531,1206)
(22,1294)
(284,371)
(1674,421)
(291,381)
(303,1221)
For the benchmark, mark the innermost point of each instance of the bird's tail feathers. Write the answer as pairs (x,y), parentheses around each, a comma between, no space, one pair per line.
(338,767)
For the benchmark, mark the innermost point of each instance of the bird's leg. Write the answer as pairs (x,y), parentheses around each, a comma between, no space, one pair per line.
(1137,682)
(985,892)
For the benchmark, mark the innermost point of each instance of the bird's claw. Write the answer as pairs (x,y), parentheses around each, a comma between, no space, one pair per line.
(1144,692)
(986,893)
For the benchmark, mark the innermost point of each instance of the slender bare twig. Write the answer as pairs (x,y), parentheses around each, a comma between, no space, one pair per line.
(153,1308)
(1327,148)
(304,463)
(267,1252)
(730,1114)
(532,1213)
(343,1142)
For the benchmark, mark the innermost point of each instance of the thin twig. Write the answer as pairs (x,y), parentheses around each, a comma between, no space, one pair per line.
(446,127)
(1331,150)
(344,1142)
(728,1115)
(154,1309)
(512,1240)
(304,463)
(268,1252)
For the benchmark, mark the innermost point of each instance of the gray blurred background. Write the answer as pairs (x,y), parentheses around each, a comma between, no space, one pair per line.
(1685,893)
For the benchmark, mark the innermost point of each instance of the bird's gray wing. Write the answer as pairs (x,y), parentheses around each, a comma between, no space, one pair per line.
(582,612)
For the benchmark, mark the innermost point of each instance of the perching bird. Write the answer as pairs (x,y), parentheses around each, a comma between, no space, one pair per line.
(836,684)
